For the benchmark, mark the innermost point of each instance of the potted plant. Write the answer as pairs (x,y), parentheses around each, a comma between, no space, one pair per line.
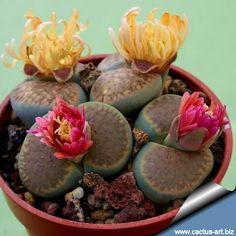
(134,148)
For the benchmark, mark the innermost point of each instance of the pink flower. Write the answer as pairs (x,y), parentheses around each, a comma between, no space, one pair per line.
(197,126)
(64,129)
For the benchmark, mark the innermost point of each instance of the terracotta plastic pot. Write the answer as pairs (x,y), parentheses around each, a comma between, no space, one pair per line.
(39,223)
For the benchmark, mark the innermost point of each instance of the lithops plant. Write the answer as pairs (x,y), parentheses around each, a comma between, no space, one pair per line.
(148,48)
(112,138)
(165,174)
(89,145)
(197,125)
(50,166)
(156,117)
(49,57)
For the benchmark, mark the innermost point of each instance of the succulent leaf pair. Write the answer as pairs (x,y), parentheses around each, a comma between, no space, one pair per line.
(94,137)
(178,158)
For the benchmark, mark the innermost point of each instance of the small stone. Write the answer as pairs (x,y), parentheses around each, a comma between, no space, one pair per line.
(124,191)
(49,207)
(16,134)
(177,203)
(98,203)
(88,220)
(88,74)
(73,211)
(16,166)
(141,138)
(91,179)
(29,198)
(149,206)
(101,214)
(76,194)
(91,199)
(105,205)
(110,221)
(177,86)
(68,197)
(80,214)
(19,195)
(100,222)
(69,211)
(173,205)
(101,190)
(120,192)
(130,213)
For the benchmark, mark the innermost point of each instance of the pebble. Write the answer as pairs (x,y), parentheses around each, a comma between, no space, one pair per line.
(101,214)
(29,198)
(110,221)
(91,199)
(105,205)
(98,203)
(149,206)
(80,214)
(177,203)
(91,179)
(49,207)
(130,213)
(76,194)
(100,222)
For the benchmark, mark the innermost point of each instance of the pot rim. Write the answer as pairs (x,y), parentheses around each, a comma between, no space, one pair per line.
(166,216)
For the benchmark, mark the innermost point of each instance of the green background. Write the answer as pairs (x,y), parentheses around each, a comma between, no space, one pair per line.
(208,52)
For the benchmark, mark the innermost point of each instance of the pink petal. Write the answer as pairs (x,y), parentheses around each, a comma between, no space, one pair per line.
(41,121)
(75,134)
(88,144)
(187,129)
(187,100)
(60,155)
(35,132)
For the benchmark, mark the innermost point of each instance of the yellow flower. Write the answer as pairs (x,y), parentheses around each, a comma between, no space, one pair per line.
(152,45)
(46,53)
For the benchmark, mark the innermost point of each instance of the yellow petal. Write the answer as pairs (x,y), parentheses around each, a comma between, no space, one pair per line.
(155,41)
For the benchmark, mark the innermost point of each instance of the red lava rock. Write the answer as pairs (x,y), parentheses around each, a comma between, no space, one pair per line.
(121,192)
(101,189)
(124,191)
(149,206)
(130,213)
(69,211)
